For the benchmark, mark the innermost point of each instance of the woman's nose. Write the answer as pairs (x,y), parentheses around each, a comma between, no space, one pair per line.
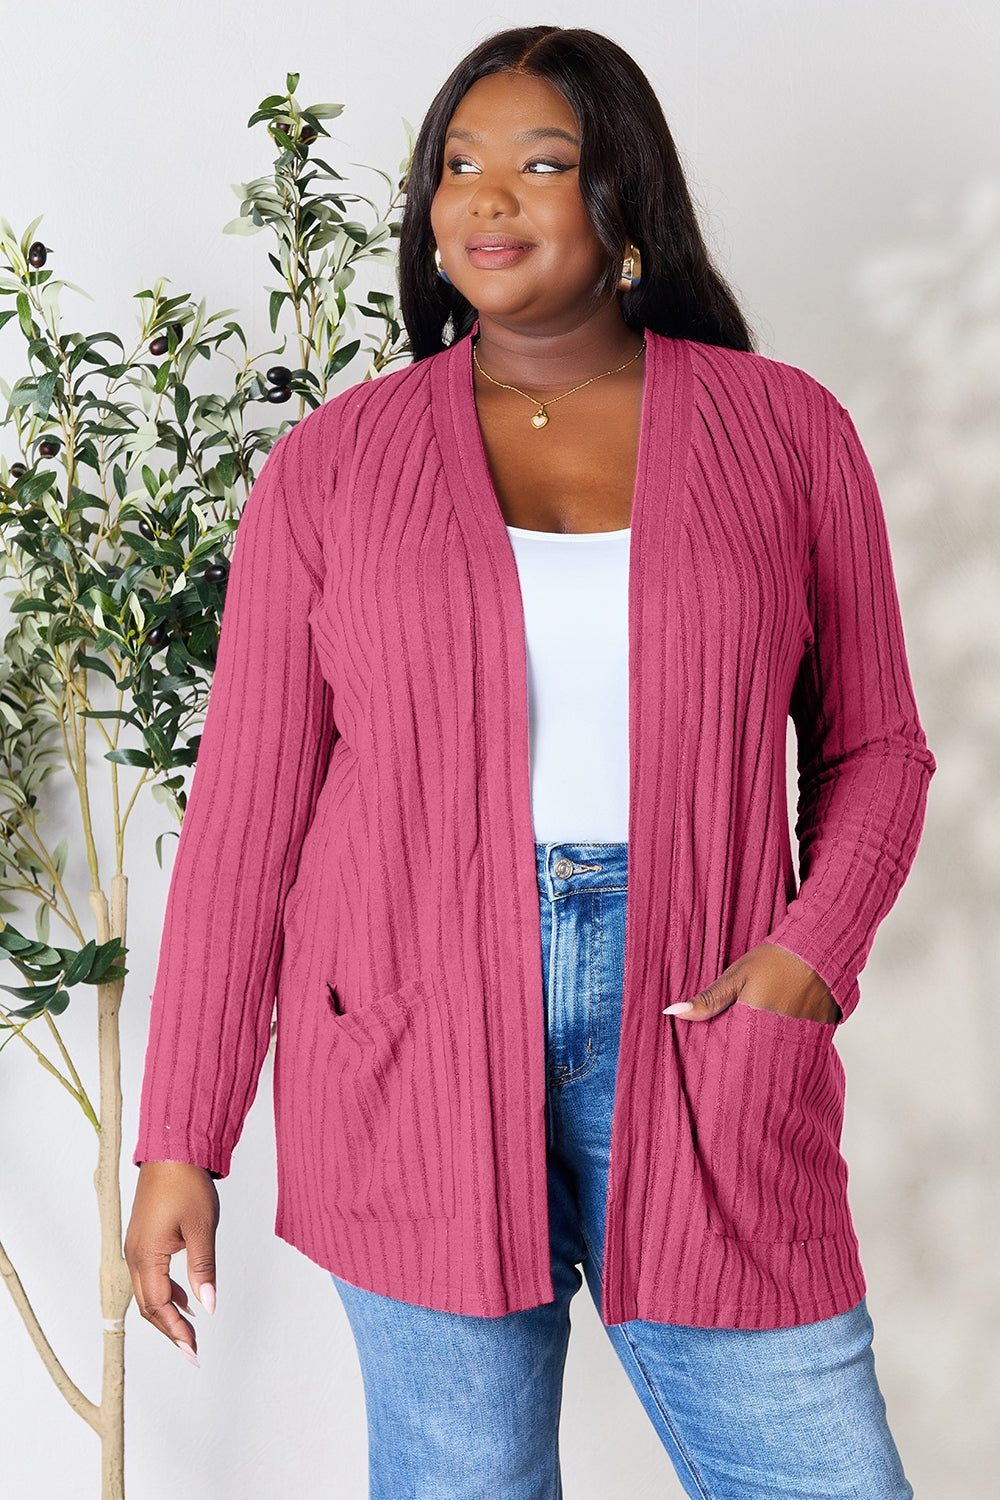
(493,200)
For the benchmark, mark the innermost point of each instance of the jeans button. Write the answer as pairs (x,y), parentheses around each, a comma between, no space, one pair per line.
(563,868)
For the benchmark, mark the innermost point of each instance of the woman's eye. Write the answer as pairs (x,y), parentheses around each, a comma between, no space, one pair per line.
(460,166)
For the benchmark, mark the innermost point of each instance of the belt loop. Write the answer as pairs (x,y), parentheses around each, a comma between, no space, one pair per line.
(554,844)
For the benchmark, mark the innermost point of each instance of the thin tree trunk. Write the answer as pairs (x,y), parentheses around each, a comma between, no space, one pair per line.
(108,1419)
(116,1285)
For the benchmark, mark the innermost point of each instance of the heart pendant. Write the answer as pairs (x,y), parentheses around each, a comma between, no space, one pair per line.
(541,418)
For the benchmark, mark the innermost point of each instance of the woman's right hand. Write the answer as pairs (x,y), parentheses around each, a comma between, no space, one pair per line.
(176,1208)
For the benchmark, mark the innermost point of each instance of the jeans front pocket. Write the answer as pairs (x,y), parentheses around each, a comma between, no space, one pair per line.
(768,1114)
(395,1079)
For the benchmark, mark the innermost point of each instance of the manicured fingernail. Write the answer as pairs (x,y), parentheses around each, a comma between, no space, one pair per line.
(188,1353)
(206,1296)
(680,1009)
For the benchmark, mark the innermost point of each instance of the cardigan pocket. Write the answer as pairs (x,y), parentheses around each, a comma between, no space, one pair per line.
(394,1079)
(768,1122)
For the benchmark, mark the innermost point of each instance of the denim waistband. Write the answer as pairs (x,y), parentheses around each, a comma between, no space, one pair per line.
(565,868)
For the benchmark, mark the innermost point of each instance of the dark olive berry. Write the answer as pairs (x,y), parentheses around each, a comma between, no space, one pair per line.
(307,135)
(217,572)
(16,470)
(278,393)
(156,636)
(37,255)
(145,530)
(279,375)
(49,448)
(178,330)
(159,344)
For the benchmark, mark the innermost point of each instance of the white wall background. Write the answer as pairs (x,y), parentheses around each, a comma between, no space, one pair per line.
(847,159)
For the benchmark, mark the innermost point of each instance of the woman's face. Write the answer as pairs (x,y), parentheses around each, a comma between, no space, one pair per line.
(508,217)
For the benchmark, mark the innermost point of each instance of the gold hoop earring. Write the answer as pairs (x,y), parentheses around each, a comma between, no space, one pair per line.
(440,268)
(631,268)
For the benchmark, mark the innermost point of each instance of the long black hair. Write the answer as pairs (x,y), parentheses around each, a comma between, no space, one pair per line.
(631,180)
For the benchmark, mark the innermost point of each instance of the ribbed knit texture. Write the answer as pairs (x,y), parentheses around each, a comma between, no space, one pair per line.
(359,841)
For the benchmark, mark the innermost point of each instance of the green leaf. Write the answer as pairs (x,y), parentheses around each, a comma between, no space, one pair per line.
(69,630)
(292,82)
(159,745)
(5,317)
(23,394)
(24,315)
(171,833)
(342,357)
(107,966)
(182,401)
(149,552)
(29,235)
(168,306)
(130,757)
(21,992)
(203,638)
(44,393)
(42,916)
(14,941)
(241,226)
(45,997)
(97,664)
(34,486)
(277,298)
(78,968)
(325,111)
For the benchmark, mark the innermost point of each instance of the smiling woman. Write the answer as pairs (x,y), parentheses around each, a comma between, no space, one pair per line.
(515,240)
(491,793)
(509,199)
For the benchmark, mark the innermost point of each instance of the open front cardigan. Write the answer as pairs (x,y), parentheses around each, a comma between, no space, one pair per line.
(359,846)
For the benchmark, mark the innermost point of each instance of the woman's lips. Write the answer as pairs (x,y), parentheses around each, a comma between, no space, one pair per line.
(493,255)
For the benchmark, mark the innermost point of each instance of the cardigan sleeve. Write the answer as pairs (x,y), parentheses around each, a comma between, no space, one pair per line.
(863,761)
(267,736)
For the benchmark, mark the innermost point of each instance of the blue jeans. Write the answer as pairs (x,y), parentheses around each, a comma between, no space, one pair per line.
(467,1408)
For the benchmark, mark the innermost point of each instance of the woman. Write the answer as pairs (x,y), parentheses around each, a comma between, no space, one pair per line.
(508,632)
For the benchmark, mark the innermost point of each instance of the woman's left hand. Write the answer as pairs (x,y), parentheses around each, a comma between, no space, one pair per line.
(770,978)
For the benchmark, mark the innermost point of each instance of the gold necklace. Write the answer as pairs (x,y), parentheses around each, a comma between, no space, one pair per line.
(540,417)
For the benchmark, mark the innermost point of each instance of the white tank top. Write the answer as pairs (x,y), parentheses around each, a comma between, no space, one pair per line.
(574,588)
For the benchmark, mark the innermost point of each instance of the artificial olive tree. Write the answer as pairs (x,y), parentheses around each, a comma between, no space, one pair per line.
(116,522)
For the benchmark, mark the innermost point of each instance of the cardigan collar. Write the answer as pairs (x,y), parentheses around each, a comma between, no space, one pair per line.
(662,451)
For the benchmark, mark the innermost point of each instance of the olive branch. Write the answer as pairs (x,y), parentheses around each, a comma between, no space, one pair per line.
(116,528)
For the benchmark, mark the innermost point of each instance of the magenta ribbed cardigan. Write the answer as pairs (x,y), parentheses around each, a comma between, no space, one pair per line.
(359,842)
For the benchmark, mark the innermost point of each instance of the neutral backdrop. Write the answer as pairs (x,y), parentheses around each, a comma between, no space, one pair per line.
(846,158)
